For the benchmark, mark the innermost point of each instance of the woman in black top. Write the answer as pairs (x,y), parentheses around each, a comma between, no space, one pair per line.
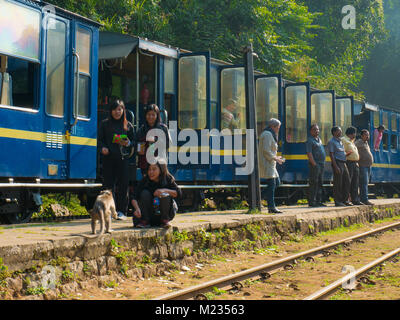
(157,186)
(153,121)
(113,144)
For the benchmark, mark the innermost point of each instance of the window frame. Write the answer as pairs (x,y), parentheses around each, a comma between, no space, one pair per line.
(59,19)
(75,31)
(220,70)
(279,88)
(33,7)
(36,89)
(351,109)
(333,109)
(308,100)
(208,87)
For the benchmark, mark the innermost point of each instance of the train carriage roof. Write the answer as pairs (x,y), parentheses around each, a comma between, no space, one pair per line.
(63,11)
(114,45)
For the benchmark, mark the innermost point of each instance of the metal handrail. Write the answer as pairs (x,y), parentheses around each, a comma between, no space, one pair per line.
(76,99)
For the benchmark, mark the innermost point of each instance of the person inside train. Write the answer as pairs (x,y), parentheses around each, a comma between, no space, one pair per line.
(268,148)
(143,140)
(378,134)
(154,197)
(115,136)
(316,162)
(341,177)
(352,163)
(230,119)
(365,162)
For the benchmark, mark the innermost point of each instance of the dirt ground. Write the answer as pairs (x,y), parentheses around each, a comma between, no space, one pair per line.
(304,279)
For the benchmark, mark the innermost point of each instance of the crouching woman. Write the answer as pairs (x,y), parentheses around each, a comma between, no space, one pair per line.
(154,197)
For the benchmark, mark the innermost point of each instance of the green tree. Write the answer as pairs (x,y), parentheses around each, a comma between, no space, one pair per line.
(337,55)
(382,69)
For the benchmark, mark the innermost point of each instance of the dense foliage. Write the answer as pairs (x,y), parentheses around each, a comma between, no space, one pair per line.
(303,39)
(382,69)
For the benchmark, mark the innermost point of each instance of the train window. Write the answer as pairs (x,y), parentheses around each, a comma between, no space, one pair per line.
(385,119)
(19,83)
(394,122)
(321,114)
(169,75)
(385,141)
(343,113)
(233,99)
(296,114)
(83,48)
(376,119)
(55,67)
(267,100)
(19,30)
(84,89)
(214,98)
(214,84)
(192,89)
(393,142)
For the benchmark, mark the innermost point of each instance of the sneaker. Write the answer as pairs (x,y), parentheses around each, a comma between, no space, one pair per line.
(121,216)
(368,203)
(357,203)
(142,225)
(165,224)
(348,204)
(339,204)
(274,210)
(320,204)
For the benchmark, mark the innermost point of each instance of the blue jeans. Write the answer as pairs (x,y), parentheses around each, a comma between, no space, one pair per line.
(365,174)
(269,192)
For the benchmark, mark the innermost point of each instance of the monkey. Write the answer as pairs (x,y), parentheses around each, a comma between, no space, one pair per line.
(103,209)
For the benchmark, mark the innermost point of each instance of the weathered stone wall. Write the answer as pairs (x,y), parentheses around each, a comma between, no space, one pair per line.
(80,262)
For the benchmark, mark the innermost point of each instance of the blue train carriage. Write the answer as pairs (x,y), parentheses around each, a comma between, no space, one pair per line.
(302,106)
(48,111)
(188,88)
(385,173)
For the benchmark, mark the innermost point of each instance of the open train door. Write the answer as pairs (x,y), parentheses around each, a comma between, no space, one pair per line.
(190,142)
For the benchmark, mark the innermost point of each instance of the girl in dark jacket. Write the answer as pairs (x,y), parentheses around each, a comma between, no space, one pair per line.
(153,199)
(115,136)
(153,121)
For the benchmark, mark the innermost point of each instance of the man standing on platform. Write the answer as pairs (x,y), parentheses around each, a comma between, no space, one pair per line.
(341,178)
(365,163)
(316,162)
(352,163)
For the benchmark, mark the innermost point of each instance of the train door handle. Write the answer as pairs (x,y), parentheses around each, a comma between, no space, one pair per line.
(76,97)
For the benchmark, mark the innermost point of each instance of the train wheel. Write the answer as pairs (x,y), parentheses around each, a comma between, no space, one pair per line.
(19,208)
(22,217)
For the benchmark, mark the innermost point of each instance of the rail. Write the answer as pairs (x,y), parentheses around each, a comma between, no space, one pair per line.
(194,291)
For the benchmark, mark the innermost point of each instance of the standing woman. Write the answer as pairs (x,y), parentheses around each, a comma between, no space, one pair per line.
(152,121)
(153,199)
(268,148)
(115,135)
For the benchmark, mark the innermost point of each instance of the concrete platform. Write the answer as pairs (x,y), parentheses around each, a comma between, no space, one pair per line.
(32,233)
(70,249)
(12,235)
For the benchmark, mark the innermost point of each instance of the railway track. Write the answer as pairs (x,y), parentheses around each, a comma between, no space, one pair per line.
(264,271)
(333,287)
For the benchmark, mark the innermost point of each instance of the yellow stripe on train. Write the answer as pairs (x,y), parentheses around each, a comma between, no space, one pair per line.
(42,137)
